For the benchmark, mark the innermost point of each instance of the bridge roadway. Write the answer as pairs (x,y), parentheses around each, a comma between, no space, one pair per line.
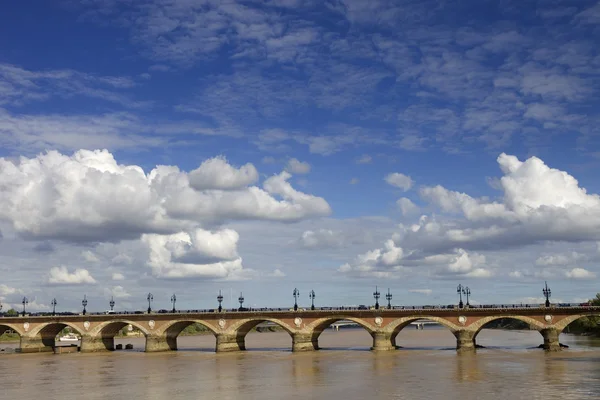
(38,333)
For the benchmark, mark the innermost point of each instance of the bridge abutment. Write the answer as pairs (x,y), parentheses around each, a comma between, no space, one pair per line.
(229,342)
(465,340)
(304,342)
(383,341)
(551,342)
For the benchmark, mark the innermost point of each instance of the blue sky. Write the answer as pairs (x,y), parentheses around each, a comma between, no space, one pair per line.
(427,143)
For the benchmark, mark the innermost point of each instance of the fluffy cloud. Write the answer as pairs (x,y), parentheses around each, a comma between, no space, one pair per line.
(117,276)
(216,173)
(407,207)
(579,273)
(321,238)
(7,291)
(118,292)
(538,204)
(380,263)
(297,167)
(62,276)
(89,197)
(197,254)
(399,180)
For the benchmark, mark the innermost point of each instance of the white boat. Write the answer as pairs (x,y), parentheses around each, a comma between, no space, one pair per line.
(69,337)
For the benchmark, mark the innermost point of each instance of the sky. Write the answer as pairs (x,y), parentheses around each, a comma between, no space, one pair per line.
(186,147)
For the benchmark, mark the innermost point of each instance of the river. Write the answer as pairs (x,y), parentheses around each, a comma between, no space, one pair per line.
(427,367)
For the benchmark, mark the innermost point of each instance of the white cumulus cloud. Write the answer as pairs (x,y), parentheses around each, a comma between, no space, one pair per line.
(62,276)
(297,167)
(90,197)
(196,254)
(579,273)
(399,180)
(217,173)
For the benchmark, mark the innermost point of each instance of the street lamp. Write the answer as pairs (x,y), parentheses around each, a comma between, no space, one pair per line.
(467,291)
(53,302)
(241,300)
(173,300)
(312,299)
(84,303)
(24,302)
(220,300)
(376,295)
(296,294)
(547,293)
(0,305)
(149,298)
(111,303)
(459,290)
(388,297)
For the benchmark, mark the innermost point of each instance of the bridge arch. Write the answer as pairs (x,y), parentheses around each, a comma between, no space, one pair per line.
(317,327)
(243,327)
(174,329)
(478,326)
(396,326)
(51,329)
(6,327)
(563,323)
(106,331)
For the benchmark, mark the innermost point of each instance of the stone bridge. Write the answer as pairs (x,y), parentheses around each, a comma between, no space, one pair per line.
(38,333)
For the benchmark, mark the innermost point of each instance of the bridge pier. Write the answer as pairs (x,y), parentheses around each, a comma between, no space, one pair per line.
(304,342)
(383,341)
(158,343)
(229,342)
(465,340)
(551,342)
(36,344)
(95,344)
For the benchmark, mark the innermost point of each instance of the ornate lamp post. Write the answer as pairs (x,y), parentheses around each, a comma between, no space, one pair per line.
(241,300)
(24,302)
(467,292)
(53,302)
(173,300)
(84,303)
(220,300)
(459,290)
(376,295)
(111,303)
(149,298)
(311,295)
(388,297)
(296,294)
(547,293)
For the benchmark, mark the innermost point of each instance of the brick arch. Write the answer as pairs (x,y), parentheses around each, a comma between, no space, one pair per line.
(114,326)
(4,327)
(244,326)
(563,323)
(317,327)
(172,330)
(477,326)
(323,323)
(396,326)
(51,329)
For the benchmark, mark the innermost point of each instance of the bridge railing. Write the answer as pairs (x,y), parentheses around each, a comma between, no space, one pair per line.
(450,307)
